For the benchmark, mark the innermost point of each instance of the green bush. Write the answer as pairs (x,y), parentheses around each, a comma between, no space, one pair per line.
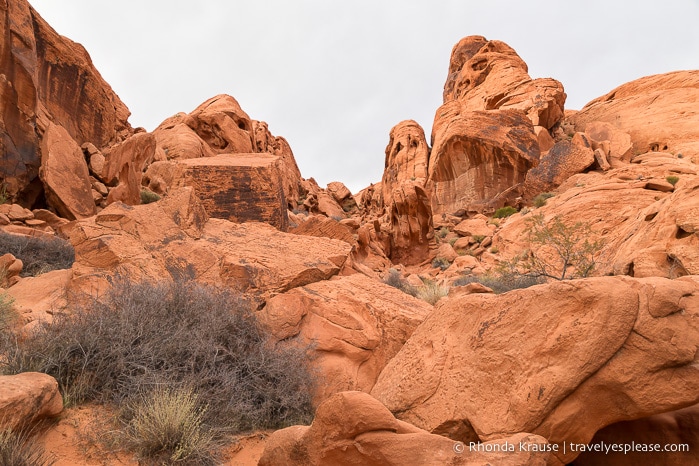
(504,212)
(180,334)
(166,425)
(148,196)
(672,179)
(540,199)
(39,255)
(500,282)
(20,449)
(478,238)
(442,232)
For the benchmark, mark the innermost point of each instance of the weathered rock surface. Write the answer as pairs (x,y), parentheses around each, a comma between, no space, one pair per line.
(47,77)
(676,429)
(485,366)
(563,160)
(235,187)
(175,238)
(354,325)
(219,126)
(322,226)
(65,175)
(488,75)
(352,428)
(646,232)
(26,398)
(670,101)
(124,165)
(479,159)
(34,307)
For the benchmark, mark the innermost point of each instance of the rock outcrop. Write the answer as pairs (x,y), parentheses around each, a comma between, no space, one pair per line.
(559,360)
(352,428)
(353,326)
(47,79)
(670,101)
(175,238)
(479,158)
(26,398)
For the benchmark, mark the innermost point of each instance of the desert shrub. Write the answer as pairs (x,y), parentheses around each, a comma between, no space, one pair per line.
(395,280)
(672,179)
(148,196)
(478,238)
(442,232)
(432,292)
(440,263)
(39,255)
(166,425)
(171,334)
(559,250)
(504,212)
(540,199)
(19,449)
(7,312)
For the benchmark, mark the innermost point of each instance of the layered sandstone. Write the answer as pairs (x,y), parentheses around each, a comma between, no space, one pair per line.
(26,398)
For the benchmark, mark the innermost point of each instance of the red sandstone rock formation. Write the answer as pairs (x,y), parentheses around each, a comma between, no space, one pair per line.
(26,398)
(353,325)
(47,80)
(352,428)
(484,366)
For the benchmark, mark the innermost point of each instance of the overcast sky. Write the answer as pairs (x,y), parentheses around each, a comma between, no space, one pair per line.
(333,77)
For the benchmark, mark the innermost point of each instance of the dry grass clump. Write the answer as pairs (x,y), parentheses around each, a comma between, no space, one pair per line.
(501,282)
(150,347)
(432,292)
(20,449)
(38,255)
(395,280)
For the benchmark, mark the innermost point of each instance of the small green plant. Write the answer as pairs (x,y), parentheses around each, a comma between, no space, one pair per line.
(452,241)
(148,196)
(167,425)
(504,212)
(478,238)
(4,196)
(672,179)
(441,263)
(494,250)
(442,232)
(20,449)
(431,292)
(540,199)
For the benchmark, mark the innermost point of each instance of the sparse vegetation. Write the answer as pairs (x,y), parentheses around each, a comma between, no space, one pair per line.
(19,449)
(540,199)
(39,255)
(441,263)
(478,238)
(182,336)
(501,282)
(7,312)
(166,425)
(148,196)
(672,179)
(504,212)
(395,280)
(432,292)
(558,250)
(4,196)
(442,232)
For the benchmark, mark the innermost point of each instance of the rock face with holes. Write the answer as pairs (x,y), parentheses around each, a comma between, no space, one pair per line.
(353,324)
(485,366)
(670,101)
(352,428)
(488,75)
(47,77)
(404,196)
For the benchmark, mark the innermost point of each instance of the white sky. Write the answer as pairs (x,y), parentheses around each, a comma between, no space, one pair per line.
(333,77)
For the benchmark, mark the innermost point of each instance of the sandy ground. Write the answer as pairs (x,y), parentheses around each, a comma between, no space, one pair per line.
(72,441)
